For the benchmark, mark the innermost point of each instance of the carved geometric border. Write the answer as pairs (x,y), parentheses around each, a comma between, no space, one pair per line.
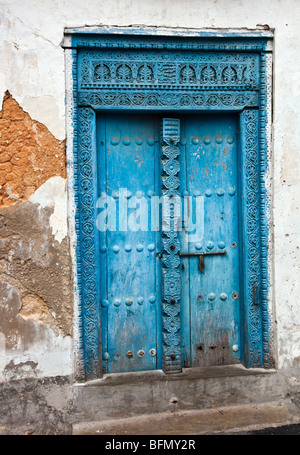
(170,136)
(170,99)
(82,186)
(265,208)
(254,130)
(251,228)
(136,39)
(88,268)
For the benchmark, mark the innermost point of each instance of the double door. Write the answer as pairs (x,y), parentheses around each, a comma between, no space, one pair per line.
(130,237)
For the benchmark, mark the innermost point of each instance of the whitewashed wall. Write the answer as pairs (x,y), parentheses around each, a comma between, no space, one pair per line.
(32,69)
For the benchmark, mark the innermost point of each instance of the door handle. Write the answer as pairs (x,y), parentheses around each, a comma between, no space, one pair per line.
(201,265)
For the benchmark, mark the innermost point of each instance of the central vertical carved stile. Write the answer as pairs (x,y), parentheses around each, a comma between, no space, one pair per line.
(170,136)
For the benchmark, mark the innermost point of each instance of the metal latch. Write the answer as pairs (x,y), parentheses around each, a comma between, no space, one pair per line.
(201,265)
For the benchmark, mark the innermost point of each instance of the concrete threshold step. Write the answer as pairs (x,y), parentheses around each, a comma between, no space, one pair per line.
(231,419)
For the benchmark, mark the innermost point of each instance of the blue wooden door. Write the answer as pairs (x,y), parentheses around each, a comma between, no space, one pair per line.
(128,173)
(211,291)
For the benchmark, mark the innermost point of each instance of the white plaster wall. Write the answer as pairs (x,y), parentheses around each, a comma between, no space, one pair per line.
(32,69)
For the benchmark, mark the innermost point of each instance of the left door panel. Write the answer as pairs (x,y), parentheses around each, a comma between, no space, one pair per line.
(128,176)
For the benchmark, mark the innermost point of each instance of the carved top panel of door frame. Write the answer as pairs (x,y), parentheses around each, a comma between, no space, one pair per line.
(168,70)
(132,69)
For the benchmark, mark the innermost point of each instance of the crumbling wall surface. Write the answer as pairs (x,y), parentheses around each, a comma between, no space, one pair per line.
(36,406)
(35,297)
(35,271)
(29,153)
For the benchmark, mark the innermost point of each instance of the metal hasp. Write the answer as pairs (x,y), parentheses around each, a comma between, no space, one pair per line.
(201,265)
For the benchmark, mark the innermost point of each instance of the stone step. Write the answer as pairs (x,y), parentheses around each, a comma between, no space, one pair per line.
(229,419)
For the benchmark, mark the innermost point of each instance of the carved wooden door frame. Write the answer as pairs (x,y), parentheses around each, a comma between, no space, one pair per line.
(151,70)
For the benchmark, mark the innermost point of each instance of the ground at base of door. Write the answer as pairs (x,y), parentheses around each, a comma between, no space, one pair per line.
(250,419)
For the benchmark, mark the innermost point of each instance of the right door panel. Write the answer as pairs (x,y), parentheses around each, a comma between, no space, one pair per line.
(211,283)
